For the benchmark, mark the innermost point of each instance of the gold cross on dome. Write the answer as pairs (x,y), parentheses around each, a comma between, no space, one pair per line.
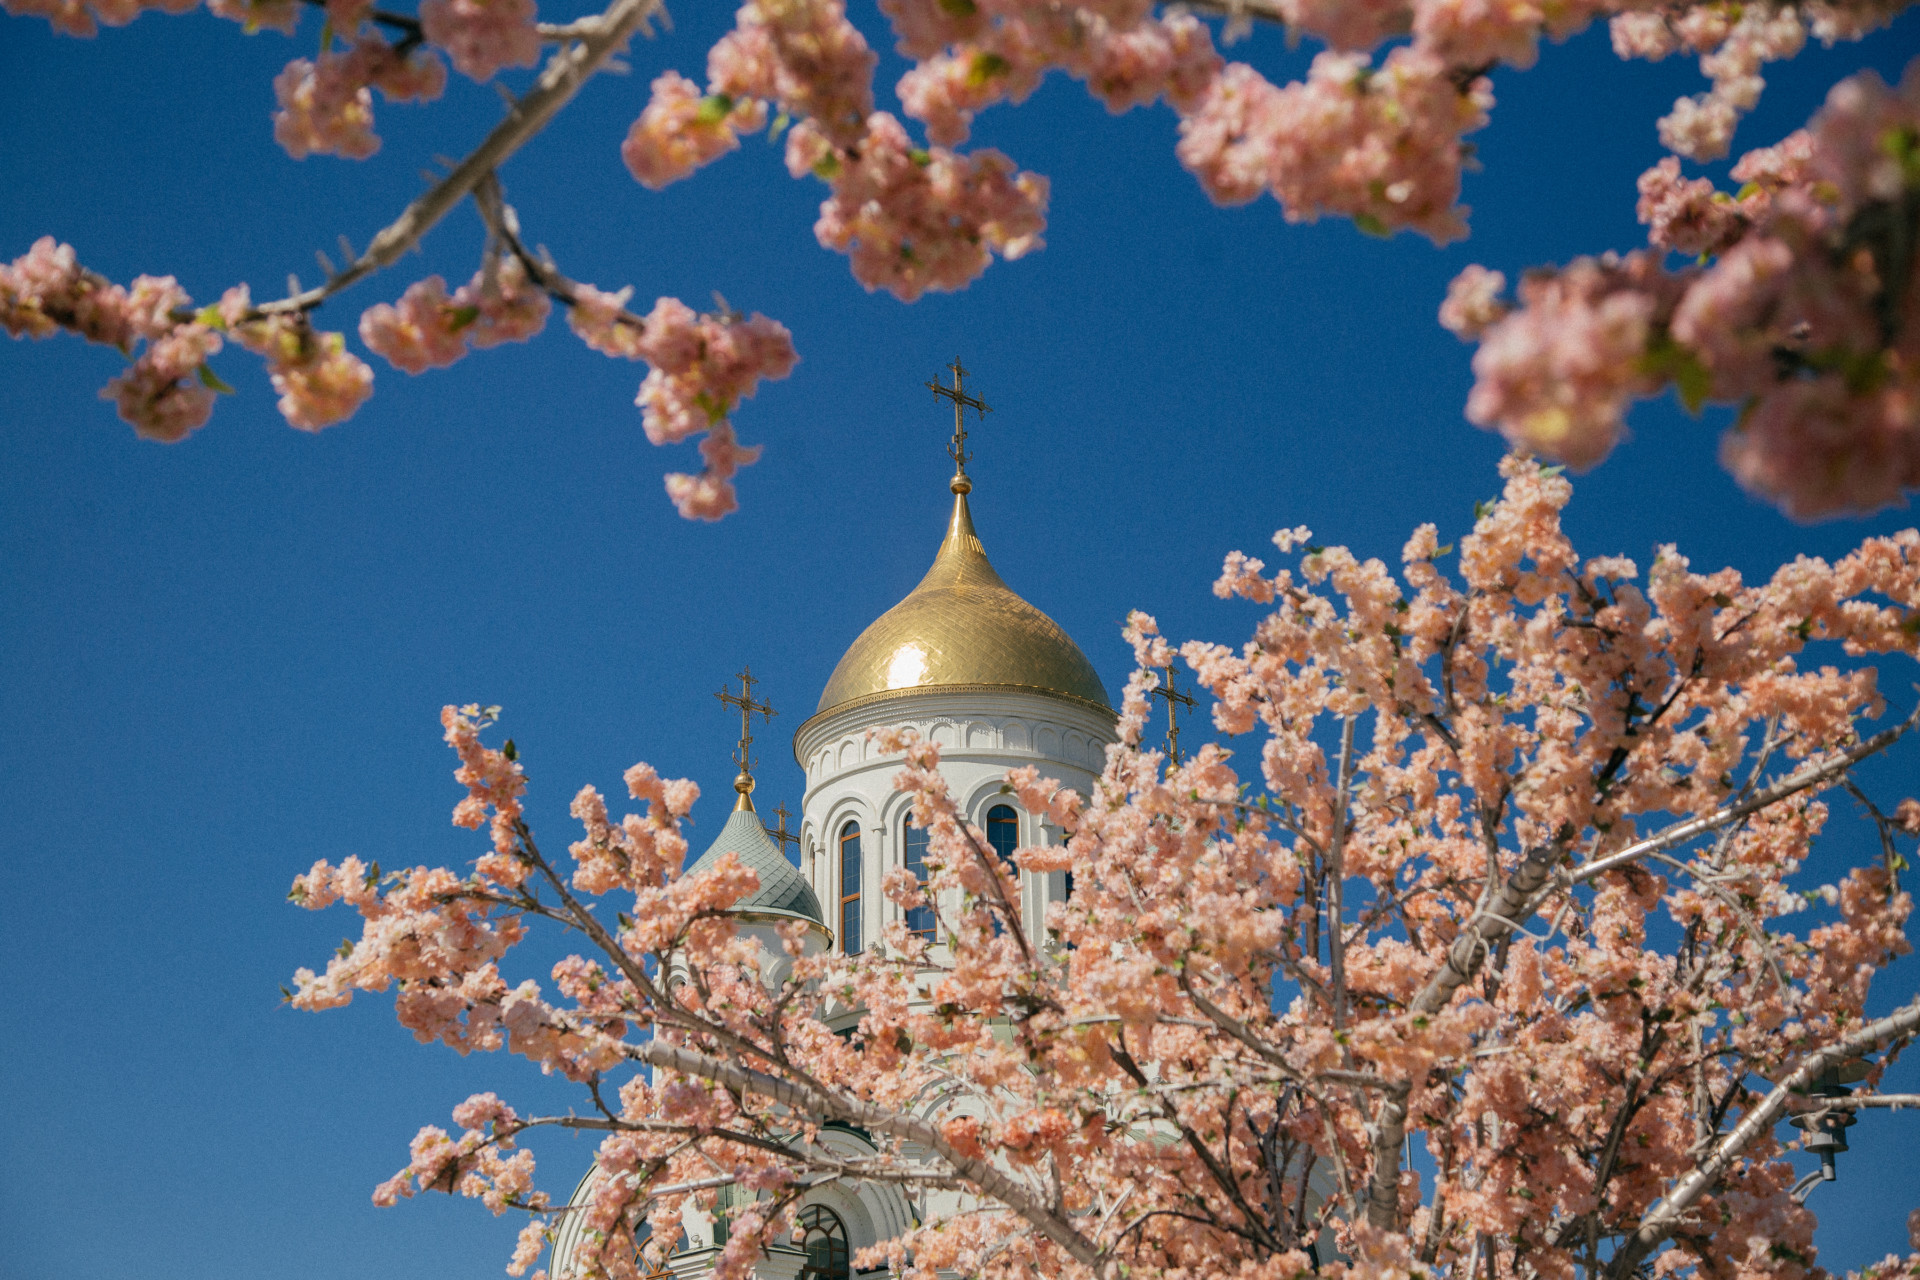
(743,754)
(780,833)
(1173,696)
(957,448)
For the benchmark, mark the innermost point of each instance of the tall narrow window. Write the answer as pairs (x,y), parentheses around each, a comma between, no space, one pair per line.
(850,888)
(919,919)
(1003,833)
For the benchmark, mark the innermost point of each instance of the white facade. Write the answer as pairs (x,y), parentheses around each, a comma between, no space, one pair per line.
(983,732)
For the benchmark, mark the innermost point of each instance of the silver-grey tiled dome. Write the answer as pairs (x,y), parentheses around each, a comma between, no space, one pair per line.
(782,891)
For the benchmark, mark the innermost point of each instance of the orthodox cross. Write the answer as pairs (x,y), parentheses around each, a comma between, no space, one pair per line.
(780,833)
(1173,696)
(957,449)
(743,754)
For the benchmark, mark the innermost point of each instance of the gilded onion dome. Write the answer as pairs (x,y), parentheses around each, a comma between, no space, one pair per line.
(963,626)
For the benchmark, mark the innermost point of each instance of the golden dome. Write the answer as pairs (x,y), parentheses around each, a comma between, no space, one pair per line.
(963,626)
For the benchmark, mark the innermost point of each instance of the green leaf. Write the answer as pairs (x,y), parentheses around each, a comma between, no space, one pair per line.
(286,996)
(984,67)
(920,157)
(1902,145)
(1371,225)
(1444,549)
(714,108)
(780,123)
(1668,360)
(462,317)
(210,316)
(959,8)
(1550,472)
(827,167)
(208,378)
(510,751)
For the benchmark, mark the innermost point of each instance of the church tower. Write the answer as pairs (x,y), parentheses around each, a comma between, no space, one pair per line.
(973,667)
(998,685)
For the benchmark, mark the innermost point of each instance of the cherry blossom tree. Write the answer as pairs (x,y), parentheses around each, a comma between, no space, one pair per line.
(1507,862)
(1796,302)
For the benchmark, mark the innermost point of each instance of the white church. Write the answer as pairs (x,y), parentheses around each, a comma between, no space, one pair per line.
(998,684)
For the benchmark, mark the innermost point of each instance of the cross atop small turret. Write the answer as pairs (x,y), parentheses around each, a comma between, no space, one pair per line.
(1165,689)
(957,449)
(743,754)
(780,833)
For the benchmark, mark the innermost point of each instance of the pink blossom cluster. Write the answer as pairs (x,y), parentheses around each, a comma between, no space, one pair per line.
(430,329)
(1734,49)
(476,1165)
(320,382)
(1126,55)
(166,393)
(1801,313)
(1557,376)
(703,366)
(803,56)
(681,130)
(1378,145)
(1733,44)
(602,321)
(482,36)
(261,15)
(326,108)
(495,781)
(912,220)
(82,17)
(641,851)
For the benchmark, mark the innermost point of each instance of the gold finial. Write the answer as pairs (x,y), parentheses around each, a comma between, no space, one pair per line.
(957,449)
(780,833)
(743,754)
(1173,696)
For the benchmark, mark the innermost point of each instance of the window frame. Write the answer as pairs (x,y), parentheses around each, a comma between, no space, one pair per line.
(919,920)
(850,834)
(1012,819)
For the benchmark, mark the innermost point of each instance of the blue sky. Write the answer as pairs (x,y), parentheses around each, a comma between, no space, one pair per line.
(222,660)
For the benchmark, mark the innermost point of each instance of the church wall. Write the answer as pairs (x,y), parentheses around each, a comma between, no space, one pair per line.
(983,733)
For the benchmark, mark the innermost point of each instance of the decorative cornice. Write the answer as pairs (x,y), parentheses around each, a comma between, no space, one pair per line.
(1100,709)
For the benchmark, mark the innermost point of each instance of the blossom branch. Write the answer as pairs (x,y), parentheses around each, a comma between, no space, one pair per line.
(820,1101)
(565,74)
(1666,1215)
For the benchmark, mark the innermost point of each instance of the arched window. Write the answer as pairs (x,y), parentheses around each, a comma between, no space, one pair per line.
(850,888)
(660,1268)
(914,842)
(824,1237)
(1003,833)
